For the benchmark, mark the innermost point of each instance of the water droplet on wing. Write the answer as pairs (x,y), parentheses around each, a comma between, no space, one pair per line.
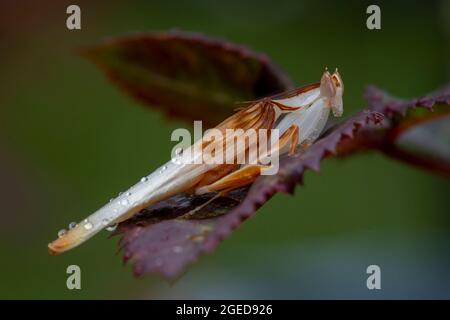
(87,224)
(61,233)
(72,225)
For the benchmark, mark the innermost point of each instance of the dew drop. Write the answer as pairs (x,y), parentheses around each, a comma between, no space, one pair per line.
(87,225)
(144,179)
(178,156)
(61,232)
(112,227)
(128,194)
(179,151)
(120,193)
(72,225)
(124,202)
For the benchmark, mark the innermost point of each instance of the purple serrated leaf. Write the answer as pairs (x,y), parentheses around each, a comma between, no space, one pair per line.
(160,240)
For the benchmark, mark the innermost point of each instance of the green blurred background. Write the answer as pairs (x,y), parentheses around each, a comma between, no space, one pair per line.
(69,141)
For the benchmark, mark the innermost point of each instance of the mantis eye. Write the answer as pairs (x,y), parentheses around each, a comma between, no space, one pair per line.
(327,87)
(337,104)
(337,81)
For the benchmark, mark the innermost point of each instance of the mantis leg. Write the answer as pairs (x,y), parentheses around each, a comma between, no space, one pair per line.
(196,209)
(290,135)
(234,180)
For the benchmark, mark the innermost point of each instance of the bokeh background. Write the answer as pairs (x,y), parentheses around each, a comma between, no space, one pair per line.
(69,141)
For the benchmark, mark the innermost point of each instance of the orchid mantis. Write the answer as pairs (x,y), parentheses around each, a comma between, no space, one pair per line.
(299,117)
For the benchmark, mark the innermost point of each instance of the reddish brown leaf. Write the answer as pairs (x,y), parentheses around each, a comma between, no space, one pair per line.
(186,75)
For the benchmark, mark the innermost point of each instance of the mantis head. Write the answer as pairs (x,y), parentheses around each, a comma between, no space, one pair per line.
(332,88)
